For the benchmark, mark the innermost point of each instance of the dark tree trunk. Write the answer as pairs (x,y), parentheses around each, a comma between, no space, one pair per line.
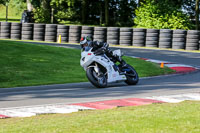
(106,12)
(84,11)
(197,14)
(6,12)
(47,7)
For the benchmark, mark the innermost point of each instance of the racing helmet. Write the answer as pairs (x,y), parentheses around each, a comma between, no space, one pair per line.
(85,41)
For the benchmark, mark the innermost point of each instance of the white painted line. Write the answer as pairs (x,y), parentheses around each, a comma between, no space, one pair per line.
(14,113)
(177,98)
(191,96)
(41,109)
(166,99)
(177,65)
(157,61)
(152,60)
(134,56)
(166,63)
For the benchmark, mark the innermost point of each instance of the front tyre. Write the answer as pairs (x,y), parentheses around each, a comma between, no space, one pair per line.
(131,75)
(98,80)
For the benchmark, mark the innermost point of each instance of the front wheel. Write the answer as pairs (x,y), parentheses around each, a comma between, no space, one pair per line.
(98,80)
(131,75)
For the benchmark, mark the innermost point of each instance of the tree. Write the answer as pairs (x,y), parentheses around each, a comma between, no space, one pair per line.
(140,2)
(164,14)
(84,8)
(19,4)
(98,12)
(191,7)
(67,10)
(125,12)
(29,5)
(5,3)
(120,12)
(106,12)
(42,11)
(197,14)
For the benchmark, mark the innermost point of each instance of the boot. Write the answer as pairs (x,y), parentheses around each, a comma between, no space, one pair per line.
(121,61)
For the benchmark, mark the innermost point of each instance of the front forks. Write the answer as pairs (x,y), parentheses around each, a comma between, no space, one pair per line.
(96,69)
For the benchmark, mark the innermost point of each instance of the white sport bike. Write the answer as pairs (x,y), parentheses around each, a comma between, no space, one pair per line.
(100,70)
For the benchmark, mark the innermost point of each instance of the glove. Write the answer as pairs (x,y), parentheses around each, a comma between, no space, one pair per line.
(103,49)
(106,45)
(100,51)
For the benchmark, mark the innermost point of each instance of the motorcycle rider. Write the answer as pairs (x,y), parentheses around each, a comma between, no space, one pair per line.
(86,43)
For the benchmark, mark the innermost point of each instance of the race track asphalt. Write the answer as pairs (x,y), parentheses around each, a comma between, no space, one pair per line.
(85,92)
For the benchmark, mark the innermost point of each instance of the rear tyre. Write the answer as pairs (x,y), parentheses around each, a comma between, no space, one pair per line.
(132,76)
(100,81)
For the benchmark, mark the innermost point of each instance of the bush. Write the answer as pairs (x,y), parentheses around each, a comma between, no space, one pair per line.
(66,10)
(161,15)
(40,15)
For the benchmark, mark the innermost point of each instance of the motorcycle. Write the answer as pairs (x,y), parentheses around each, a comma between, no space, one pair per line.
(101,70)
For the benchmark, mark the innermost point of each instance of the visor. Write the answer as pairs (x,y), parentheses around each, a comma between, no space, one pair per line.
(83,42)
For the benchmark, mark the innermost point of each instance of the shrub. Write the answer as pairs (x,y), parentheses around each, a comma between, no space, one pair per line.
(41,15)
(161,15)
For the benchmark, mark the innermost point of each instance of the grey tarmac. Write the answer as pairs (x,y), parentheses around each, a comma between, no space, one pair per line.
(85,92)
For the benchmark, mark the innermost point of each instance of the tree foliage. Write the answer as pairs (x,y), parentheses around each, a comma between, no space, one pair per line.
(165,14)
(189,7)
(66,10)
(107,12)
(172,14)
(122,12)
(4,2)
(19,5)
(42,11)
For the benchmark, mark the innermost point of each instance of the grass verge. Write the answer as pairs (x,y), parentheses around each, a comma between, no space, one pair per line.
(25,64)
(182,117)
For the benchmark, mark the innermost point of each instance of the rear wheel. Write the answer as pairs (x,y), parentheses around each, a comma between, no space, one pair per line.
(97,79)
(131,75)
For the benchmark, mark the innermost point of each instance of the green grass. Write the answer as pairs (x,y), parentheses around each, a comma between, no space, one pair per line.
(25,64)
(182,117)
